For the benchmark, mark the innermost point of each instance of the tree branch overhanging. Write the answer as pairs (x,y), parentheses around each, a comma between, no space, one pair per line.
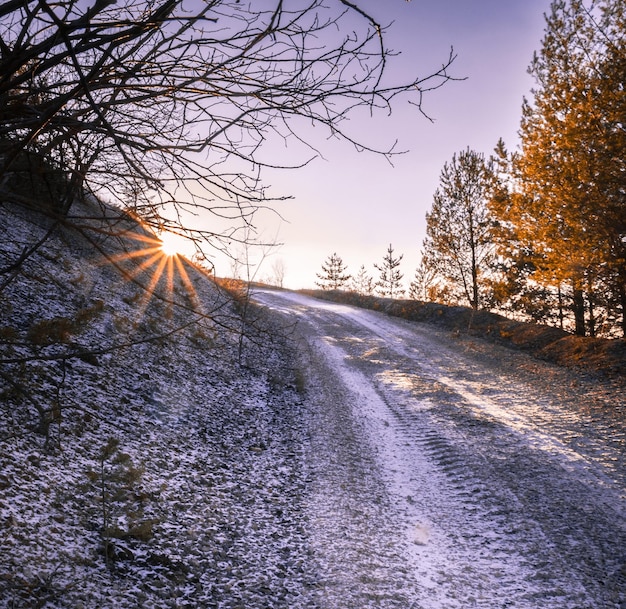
(155,94)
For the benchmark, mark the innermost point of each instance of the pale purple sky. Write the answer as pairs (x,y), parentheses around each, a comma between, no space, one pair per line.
(356,204)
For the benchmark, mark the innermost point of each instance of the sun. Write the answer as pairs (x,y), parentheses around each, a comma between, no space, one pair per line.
(171,243)
(158,265)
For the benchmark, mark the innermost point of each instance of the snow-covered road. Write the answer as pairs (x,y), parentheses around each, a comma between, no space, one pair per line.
(445,474)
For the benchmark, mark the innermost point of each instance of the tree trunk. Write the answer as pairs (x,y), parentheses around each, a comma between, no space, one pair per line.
(591,306)
(578,308)
(474,269)
(622,298)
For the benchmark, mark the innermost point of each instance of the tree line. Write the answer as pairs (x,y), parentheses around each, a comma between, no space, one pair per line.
(335,276)
(539,233)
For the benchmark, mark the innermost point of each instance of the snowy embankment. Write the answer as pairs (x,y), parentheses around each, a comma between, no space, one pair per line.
(185,464)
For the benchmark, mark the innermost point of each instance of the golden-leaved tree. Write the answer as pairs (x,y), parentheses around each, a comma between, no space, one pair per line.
(569,208)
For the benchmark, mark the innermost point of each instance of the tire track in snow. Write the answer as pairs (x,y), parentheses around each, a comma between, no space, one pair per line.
(575,547)
(467,548)
(442,578)
(353,541)
(465,485)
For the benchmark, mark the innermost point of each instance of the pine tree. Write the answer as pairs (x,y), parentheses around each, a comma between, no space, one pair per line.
(333,276)
(571,210)
(608,161)
(389,283)
(510,287)
(362,283)
(424,284)
(458,244)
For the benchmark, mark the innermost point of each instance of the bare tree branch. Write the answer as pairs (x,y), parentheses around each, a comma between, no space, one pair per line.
(155,106)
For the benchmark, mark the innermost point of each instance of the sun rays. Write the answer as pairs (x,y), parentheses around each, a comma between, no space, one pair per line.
(156,266)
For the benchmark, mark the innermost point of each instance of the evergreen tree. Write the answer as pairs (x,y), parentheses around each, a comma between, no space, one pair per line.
(458,244)
(424,284)
(511,289)
(570,210)
(333,276)
(362,283)
(612,165)
(389,283)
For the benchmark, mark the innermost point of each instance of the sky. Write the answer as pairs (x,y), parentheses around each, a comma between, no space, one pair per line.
(356,203)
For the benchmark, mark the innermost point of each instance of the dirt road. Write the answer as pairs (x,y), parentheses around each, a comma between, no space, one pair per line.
(445,473)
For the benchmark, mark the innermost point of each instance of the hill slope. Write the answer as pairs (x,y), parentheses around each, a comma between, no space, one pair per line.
(135,449)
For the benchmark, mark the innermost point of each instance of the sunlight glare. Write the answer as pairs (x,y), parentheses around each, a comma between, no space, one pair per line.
(159,267)
(170,243)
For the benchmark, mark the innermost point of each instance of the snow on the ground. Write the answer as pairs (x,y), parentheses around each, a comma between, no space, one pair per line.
(192,458)
(465,447)
(344,461)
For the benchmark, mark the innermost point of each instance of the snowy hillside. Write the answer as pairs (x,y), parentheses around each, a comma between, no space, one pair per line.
(140,463)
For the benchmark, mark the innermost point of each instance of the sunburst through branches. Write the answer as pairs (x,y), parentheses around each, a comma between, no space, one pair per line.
(171,243)
(158,268)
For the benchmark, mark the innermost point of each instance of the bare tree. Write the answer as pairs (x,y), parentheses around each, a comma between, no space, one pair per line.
(164,107)
(278,272)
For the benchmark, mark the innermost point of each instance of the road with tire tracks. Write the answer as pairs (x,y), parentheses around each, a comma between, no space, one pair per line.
(447,473)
